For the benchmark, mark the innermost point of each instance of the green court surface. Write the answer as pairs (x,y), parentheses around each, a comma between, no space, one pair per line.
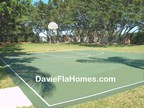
(123,70)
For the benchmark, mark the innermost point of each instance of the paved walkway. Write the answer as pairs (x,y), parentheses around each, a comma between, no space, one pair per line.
(13,98)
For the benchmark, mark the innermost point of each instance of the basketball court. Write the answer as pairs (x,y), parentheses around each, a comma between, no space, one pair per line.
(120,71)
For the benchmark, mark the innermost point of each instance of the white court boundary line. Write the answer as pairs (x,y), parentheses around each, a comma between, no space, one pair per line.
(74,56)
(89,96)
(72,100)
(87,55)
(24,81)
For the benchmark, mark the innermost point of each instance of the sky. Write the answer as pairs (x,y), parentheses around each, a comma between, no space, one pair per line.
(45,1)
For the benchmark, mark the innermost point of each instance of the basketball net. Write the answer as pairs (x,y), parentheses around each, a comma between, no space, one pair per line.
(53,31)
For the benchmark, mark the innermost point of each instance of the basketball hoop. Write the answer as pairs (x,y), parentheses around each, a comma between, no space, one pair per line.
(53,26)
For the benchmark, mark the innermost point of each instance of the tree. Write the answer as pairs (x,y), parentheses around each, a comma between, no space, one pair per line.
(13,16)
(89,21)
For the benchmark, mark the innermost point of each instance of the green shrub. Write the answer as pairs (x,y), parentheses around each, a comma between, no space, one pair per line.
(138,38)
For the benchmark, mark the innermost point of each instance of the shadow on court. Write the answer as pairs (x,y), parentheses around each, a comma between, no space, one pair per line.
(11,54)
(121,60)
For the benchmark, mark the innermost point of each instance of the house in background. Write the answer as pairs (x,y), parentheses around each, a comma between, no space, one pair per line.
(43,35)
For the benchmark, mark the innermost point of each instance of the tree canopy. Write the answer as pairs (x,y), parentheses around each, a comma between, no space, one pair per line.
(88,20)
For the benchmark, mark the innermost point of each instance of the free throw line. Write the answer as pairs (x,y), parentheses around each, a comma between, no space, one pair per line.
(75,56)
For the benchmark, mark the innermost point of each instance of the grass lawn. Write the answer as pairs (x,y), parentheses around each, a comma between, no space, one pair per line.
(129,99)
(5,80)
(63,47)
(44,47)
